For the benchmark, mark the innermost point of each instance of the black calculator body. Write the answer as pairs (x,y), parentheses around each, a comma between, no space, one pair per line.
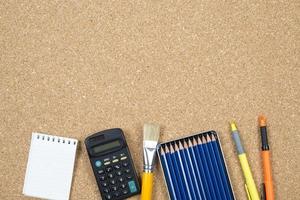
(112,164)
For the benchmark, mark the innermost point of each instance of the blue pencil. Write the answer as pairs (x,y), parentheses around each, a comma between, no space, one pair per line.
(200,169)
(172,173)
(194,169)
(210,179)
(211,169)
(191,170)
(216,168)
(183,173)
(168,176)
(223,171)
(187,171)
(177,174)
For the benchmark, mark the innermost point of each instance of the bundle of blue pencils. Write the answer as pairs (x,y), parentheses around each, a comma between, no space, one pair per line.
(194,168)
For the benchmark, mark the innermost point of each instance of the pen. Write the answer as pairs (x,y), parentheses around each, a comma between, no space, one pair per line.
(265,154)
(250,184)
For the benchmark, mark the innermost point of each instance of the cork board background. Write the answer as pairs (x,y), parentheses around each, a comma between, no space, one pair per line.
(71,68)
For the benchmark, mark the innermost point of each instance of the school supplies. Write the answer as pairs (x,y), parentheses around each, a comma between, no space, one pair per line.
(265,154)
(50,167)
(250,184)
(112,164)
(196,168)
(151,135)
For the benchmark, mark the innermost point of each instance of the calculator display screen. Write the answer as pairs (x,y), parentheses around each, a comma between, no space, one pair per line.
(104,147)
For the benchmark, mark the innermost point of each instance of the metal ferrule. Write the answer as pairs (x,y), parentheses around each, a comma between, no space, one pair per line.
(149,159)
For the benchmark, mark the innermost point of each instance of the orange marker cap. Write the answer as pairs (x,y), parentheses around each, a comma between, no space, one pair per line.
(262,120)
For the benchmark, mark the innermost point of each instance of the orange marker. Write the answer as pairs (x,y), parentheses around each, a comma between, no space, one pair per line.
(268,183)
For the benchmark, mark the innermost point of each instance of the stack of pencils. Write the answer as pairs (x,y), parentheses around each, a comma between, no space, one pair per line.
(194,168)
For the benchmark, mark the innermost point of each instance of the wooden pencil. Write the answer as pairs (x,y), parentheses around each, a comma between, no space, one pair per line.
(216,168)
(179,177)
(210,179)
(221,163)
(168,176)
(187,171)
(192,170)
(182,170)
(172,173)
(196,169)
(203,176)
(211,170)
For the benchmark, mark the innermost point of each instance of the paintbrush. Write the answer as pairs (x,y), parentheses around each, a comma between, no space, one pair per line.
(151,135)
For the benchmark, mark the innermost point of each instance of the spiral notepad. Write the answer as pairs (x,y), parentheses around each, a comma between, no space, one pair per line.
(50,167)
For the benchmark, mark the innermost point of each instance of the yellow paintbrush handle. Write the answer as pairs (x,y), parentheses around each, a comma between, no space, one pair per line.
(147,184)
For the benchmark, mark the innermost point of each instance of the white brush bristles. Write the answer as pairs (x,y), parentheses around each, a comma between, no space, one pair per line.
(151,132)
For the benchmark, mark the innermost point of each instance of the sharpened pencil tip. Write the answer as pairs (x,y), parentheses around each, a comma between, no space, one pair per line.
(204,140)
(176,147)
(167,149)
(180,145)
(172,149)
(199,140)
(194,142)
(190,143)
(213,138)
(185,144)
(208,138)
(162,152)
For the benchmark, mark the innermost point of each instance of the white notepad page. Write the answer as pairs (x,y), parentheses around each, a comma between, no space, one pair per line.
(50,167)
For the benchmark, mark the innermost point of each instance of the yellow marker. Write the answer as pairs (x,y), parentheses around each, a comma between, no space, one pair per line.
(250,186)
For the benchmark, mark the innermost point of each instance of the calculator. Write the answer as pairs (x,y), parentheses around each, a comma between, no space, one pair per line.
(112,164)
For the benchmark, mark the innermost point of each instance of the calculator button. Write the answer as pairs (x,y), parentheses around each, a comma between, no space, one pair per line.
(101,171)
(127,171)
(102,177)
(109,169)
(115,160)
(117,166)
(114,188)
(129,177)
(124,158)
(116,194)
(132,186)
(123,185)
(110,175)
(98,163)
(112,182)
(119,173)
(121,179)
(125,191)
(105,190)
(122,154)
(107,163)
(104,184)
(108,196)
(125,164)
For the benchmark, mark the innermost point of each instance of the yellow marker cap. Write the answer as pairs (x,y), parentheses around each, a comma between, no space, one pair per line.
(233,126)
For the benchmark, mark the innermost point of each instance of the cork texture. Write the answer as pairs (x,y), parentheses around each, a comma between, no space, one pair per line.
(71,68)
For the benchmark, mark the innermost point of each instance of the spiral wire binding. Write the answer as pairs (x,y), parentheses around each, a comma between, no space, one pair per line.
(48,138)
